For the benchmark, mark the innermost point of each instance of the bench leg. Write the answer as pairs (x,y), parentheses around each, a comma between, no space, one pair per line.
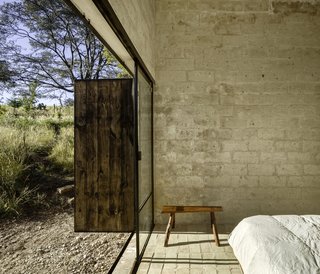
(168,230)
(214,228)
(173,220)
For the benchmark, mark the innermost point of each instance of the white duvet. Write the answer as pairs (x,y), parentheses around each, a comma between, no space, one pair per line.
(284,244)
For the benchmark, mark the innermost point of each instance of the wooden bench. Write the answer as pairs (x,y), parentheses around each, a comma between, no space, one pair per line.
(172,210)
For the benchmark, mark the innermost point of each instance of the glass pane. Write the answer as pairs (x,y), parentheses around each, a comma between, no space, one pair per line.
(145,223)
(145,133)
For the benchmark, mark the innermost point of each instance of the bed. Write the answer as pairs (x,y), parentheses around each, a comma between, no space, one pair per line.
(282,244)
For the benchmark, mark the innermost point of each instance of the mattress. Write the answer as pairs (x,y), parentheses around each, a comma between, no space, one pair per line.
(283,244)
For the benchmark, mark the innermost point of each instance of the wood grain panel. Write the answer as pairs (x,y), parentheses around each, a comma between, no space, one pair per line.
(80,160)
(104,152)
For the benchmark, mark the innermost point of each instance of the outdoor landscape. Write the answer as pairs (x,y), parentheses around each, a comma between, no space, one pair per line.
(36,157)
(44,48)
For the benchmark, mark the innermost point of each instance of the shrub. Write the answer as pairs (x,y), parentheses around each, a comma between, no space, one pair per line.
(12,156)
(62,152)
(15,148)
(32,154)
(13,199)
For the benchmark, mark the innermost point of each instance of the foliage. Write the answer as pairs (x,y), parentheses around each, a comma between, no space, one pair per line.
(13,199)
(62,151)
(31,154)
(15,103)
(41,106)
(5,72)
(29,98)
(3,110)
(14,152)
(69,102)
(111,61)
(48,44)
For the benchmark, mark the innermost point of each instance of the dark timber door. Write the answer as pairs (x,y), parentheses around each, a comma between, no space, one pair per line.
(104,155)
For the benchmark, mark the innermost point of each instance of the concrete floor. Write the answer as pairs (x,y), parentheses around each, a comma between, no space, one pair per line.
(191,250)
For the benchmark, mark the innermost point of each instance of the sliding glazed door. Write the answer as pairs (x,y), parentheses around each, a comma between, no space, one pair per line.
(145,163)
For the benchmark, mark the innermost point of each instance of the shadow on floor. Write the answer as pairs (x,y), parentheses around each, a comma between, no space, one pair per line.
(195,261)
(223,243)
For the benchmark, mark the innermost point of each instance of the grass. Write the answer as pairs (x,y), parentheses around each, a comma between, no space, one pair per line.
(36,153)
(61,153)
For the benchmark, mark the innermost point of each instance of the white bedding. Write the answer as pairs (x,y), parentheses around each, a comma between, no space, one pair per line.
(284,244)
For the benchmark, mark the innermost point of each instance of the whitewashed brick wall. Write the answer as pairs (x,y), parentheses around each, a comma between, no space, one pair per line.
(237,107)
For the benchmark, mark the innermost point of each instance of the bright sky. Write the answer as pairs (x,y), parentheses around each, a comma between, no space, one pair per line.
(8,1)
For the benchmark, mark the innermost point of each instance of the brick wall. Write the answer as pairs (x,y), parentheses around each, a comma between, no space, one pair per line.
(237,107)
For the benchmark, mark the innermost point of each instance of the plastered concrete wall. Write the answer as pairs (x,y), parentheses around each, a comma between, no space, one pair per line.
(237,107)
(138,19)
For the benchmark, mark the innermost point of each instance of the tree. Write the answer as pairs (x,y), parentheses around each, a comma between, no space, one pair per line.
(5,73)
(29,98)
(47,44)
(15,103)
(5,77)
(69,102)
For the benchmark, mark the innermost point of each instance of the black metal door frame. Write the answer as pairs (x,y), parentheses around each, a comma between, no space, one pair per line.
(137,209)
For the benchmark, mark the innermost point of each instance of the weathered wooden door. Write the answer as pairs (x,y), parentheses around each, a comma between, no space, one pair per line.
(104,155)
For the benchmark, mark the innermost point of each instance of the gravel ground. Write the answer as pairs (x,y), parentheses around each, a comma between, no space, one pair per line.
(48,244)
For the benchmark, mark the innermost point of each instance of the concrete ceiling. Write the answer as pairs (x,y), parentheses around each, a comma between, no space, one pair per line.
(91,13)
